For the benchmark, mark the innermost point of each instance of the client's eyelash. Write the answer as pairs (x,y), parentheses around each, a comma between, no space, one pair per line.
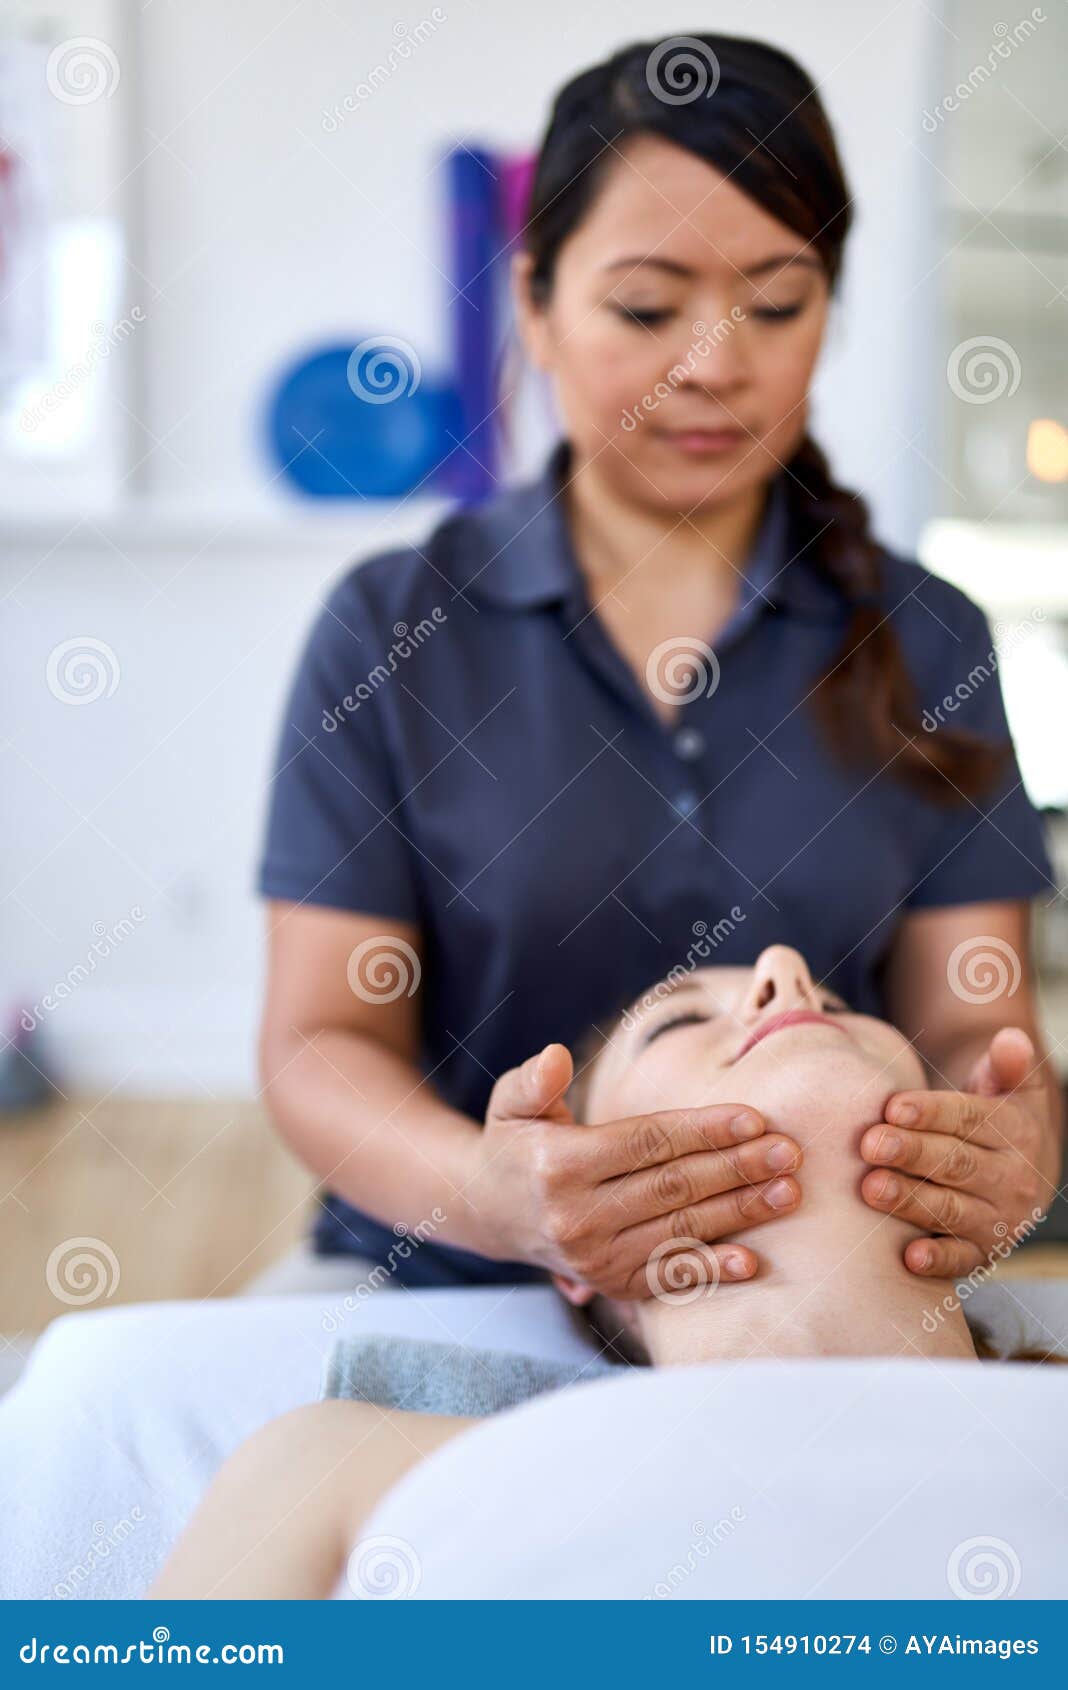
(685,1019)
(688,1018)
(644,319)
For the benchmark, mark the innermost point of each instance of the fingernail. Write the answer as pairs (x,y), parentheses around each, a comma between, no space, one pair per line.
(779,1194)
(735,1267)
(923,1258)
(889,1148)
(780,1156)
(890,1192)
(904,1114)
(746,1126)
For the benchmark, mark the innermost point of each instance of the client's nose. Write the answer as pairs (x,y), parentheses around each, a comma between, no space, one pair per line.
(781,980)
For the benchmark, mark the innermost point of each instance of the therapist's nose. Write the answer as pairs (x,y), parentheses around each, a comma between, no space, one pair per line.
(781,981)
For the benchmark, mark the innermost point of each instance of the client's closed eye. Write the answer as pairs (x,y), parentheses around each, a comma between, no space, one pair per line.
(686,1018)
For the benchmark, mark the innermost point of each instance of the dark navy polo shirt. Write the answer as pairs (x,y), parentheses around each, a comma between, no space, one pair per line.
(464,747)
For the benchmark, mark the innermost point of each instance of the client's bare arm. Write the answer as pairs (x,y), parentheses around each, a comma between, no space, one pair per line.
(283,1513)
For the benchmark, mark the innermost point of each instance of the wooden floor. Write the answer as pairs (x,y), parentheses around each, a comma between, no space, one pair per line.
(129,1200)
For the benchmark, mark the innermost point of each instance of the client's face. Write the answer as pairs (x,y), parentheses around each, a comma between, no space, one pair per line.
(766,1036)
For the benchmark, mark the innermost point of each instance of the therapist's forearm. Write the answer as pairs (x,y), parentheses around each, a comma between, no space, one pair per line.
(373,1130)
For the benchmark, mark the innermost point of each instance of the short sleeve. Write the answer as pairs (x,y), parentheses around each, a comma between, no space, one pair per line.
(333,832)
(990,848)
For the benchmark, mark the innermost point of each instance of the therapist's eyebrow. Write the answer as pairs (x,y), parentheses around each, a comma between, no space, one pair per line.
(638,260)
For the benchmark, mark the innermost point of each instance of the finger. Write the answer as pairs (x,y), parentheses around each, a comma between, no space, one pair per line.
(958,1114)
(683,1273)
(642,1141)
(689,1180)
(942,1258)
(934,1156)
(1008,1062)
(535,1088)
(712,1220)
(935,1208)
(1014,1061)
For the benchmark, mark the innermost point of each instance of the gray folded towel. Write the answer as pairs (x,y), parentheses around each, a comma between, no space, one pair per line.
(434,1378)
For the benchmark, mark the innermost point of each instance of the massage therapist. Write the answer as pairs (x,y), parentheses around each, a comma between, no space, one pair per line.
(661,706)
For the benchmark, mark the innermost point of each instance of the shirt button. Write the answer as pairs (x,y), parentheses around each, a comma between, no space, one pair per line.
(689,744)
(686,803)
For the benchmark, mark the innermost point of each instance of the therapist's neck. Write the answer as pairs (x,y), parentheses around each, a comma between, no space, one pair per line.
(617,538)
(832,1281)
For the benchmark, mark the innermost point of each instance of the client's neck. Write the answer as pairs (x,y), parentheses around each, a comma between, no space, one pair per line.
(832,1279)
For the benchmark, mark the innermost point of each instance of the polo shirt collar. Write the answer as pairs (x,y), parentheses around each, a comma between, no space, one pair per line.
(520,555)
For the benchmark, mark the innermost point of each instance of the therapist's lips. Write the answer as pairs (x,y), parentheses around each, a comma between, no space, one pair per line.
(789,1018)
(702,442)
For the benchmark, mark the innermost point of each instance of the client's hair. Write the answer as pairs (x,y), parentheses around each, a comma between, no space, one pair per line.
(621,1345)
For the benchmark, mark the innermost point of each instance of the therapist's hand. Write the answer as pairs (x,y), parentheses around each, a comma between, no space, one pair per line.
(592,1203)
(977,1168)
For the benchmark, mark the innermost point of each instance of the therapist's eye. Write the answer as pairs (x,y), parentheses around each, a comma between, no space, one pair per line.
(779,313)
(648,319)
(689,1018)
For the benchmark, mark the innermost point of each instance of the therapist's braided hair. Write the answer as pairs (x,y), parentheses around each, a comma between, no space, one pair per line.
(750,110)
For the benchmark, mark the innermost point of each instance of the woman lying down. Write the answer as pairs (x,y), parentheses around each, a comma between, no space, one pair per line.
(599,1490)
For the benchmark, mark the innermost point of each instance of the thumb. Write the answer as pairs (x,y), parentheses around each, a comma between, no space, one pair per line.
(535,1089)
(1008,1063)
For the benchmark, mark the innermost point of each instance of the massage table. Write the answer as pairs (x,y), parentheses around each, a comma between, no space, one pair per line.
(122,1417)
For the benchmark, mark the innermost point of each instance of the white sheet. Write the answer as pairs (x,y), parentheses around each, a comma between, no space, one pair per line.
(123,1415)
(802,1479)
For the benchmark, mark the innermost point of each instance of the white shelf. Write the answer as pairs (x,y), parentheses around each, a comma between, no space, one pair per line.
(1010,569)
(326,527)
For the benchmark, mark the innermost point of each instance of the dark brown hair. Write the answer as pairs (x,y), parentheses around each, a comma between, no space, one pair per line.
(865,700)
(622,1346)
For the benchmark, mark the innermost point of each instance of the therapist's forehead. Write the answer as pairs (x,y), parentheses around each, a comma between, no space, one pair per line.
(721,984)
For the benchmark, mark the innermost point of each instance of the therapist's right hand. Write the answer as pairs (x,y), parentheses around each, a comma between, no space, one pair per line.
(592,1203)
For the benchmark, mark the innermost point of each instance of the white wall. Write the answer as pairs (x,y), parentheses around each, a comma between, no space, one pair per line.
(261,231)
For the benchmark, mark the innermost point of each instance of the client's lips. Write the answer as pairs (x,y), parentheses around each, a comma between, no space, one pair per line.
(789,1018)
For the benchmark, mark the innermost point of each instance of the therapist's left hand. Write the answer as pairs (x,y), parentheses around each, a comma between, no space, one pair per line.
(976,1167)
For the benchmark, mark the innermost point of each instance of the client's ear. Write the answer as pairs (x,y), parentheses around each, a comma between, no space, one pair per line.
(573,1291)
